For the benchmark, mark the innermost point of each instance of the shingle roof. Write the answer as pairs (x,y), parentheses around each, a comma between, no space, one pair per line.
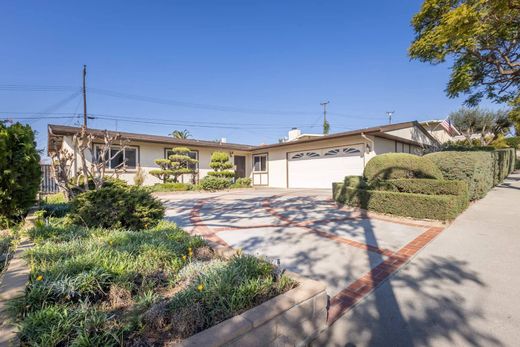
(57,130)
(60,130)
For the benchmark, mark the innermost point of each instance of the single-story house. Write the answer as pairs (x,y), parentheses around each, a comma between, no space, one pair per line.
(441,130)
(302,161)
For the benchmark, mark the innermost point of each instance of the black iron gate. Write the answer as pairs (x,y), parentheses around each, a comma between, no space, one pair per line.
(48,184)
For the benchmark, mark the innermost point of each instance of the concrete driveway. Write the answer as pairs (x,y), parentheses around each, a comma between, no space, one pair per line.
(350,251)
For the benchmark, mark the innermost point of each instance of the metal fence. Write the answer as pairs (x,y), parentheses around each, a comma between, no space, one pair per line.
(48,184)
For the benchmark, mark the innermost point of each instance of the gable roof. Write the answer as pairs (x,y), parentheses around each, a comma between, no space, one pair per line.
(57,131)
(379,131)
(64,130)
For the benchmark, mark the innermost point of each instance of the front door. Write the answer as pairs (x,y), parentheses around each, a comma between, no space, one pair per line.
(240,166)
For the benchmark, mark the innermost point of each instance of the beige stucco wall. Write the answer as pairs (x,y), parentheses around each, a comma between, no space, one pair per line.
(438,132)
(413,134)
(148,152)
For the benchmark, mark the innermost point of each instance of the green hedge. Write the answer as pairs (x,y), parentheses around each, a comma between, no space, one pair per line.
(504,163)
(19,172)
(422,206)
(423,186)
(475,168)
(400,165)
(480,169)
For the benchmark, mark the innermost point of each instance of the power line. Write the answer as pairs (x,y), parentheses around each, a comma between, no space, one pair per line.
(171,102)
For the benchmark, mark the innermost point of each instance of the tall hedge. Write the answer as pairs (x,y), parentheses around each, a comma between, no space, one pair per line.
(422,206)
(400,165)
(476,168)
(20,172)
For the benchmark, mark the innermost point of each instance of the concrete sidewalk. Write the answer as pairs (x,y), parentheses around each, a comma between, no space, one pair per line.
(461,290)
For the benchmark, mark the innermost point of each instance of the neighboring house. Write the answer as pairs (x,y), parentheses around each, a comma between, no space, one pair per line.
(303,162)
(441,130)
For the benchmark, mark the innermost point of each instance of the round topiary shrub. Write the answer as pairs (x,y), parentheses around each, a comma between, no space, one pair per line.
(400,165)
(117,206)
(213,183)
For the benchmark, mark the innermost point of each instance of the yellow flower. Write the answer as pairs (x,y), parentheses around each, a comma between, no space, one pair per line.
(189,249)
(39,278)
(183,257)
(200,287)
(190,253)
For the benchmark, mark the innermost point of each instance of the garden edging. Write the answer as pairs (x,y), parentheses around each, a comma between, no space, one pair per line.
(12,285)
(294,317)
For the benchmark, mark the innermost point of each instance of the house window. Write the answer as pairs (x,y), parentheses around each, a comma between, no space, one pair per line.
(129,156)
(260,163)
(191,154)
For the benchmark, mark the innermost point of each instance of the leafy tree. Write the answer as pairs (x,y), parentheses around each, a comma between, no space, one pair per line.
(20,172)
(181,134)
(326,126)
(482,37)
(221,165)
(177,164)
(490,125)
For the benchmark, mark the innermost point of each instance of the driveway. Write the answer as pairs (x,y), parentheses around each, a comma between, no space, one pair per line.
(350,251)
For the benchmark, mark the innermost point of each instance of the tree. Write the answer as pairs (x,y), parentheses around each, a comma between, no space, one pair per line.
(20,172)
(483,39)
(181,134)
(221,165)
(90,175)
(326,127)
(177,164)
(489,125)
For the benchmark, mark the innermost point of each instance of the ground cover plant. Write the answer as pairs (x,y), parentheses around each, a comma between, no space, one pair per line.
(7,242)
(95,286)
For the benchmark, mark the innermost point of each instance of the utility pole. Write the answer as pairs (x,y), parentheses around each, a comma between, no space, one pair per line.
(389,114)
(84,96)
(326,125)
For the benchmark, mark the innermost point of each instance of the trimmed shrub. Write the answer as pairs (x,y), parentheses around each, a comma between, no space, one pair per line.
(503,161)
(213,183)
(171,187)
(400,165)
(422,206)
(221,165)
(242,182)
(475,168)
(117,207)
(423,186)
(20,171)
(513,141)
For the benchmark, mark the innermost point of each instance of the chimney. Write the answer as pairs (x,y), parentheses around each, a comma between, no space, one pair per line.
(223,140)
(294,133)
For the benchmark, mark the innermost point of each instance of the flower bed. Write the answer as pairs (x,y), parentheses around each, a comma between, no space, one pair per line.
(105,286)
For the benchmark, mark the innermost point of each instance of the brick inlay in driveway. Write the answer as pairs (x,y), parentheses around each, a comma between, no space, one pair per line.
(365,250)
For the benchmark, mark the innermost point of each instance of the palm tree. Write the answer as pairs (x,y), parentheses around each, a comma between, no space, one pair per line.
(181,134)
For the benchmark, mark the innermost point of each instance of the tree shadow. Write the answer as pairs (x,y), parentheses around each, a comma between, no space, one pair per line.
(419,305)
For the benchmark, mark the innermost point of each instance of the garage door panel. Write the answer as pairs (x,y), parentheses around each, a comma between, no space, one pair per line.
(319,168)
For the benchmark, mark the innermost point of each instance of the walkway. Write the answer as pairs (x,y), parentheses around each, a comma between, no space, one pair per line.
(461,290)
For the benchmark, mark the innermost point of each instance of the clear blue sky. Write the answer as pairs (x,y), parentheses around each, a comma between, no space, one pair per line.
(269,62)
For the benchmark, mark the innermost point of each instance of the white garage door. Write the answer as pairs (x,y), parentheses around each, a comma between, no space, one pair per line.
(318,168)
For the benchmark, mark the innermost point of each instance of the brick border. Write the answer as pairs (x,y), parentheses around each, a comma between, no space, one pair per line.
(361,287)
(356,291)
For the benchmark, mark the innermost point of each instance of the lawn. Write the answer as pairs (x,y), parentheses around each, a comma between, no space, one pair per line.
(93,286)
